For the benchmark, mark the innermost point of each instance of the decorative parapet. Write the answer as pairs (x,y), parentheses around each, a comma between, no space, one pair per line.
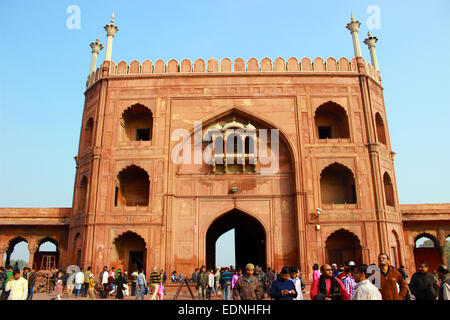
(279,65)
(35,216)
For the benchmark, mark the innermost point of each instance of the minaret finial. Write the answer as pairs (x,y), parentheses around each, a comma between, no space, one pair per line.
(111,30)
(112,17)
(353,18)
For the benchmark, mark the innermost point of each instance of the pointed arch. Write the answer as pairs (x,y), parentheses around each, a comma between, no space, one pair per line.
(381,130)
(343,246)
(136,124)
(331,121)
(129,251)
(388,190)
(132,188)
(337,185)
(250,237)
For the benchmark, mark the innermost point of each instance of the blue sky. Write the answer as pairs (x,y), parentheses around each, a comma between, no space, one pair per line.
(44,66)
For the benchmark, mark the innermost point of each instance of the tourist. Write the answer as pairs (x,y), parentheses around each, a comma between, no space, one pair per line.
(316,272)
(155,279)
(111,278)
(423,284)
(341,274)
(283,288)
(174,276)
(335,270)
(261,277)
(217,281)
(247,286)
(125,283)
(270,278)
(164,275)
(194,277)
(104,275)
(87,275)
(134,276)
(293,276)
(234,280)
(364,289)
(17,286)
(58,287)
(91,290)
(403,272)
(302,282)
(210,285)
(161,291)
(70,283)
(225,281)
(79,280)
(30,276)
(328,287)
(348,281)
(444,282)
(202,283)
(3,278)
(389,279)
(119,282)
(141,284)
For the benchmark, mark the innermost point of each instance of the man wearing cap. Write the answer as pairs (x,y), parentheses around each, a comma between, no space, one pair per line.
(155,279)
(247,286)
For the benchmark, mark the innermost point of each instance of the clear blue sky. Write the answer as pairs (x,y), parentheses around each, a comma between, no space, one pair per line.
(44,65)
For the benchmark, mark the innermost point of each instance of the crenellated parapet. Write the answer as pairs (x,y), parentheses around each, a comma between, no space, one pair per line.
(227,66)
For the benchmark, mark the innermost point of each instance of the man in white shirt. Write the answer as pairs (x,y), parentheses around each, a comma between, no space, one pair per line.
(364,289)
(17,286)
(79,280)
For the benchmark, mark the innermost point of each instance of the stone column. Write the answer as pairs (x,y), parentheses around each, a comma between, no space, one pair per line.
(96,47)
(370,42)
(353,26)
(32,250)
(111,30)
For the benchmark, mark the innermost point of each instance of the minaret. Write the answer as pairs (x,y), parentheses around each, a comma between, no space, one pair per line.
(370,42)
(96,47)
(111,30)
(353,26)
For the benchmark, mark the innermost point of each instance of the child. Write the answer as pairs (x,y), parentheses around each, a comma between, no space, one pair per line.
(160,291)
(59,289)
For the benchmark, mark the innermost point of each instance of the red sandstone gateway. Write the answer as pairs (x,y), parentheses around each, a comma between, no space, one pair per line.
(133,206)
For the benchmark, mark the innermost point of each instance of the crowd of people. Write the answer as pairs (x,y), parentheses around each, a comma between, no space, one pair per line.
(330,282)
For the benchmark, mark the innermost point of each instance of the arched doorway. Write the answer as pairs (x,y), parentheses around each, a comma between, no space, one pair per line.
(17,253)
(426,247)
(250,239)
(47,255)
(129,252)
(342,247)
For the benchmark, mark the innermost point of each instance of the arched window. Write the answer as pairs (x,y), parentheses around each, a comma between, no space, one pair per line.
(82,194)
(133,188)
(234,143)
(87,135)
(331,122)
(337,185)
(388,190)
(249,145)
(137,123)
(381,131)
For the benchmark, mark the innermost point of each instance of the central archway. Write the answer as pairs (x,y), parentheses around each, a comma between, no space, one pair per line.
(250,239)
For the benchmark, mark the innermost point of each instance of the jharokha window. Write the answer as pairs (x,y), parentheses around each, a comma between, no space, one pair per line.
(136,124)
(234,146)
(132,187)
(331,122)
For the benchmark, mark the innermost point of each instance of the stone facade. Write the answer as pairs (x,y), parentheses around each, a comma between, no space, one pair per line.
(133,205)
